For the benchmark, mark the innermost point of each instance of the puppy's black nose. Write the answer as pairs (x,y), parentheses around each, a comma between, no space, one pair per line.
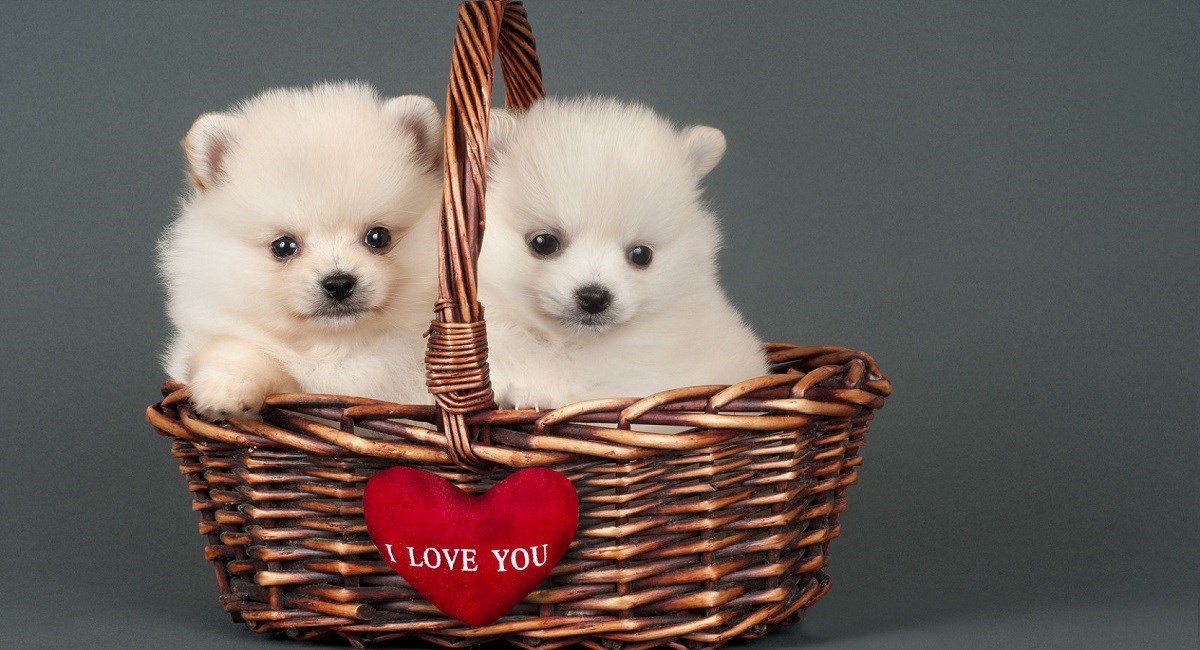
(339,286)
(593,298)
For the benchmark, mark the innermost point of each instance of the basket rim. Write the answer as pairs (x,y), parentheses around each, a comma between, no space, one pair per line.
(808,383)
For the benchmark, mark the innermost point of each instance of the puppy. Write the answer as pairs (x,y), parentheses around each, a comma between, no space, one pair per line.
(304,256)
(598,271)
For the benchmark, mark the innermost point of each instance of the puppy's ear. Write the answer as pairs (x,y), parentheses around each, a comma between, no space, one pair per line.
(205,147)
(500,129)
(705,147)
(418,117)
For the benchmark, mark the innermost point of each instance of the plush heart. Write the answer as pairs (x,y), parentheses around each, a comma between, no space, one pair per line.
(473,556)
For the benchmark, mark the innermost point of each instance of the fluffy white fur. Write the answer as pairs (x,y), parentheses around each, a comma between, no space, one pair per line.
(603,177)
(322,165)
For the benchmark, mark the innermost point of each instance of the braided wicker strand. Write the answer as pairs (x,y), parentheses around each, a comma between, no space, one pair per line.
(456,363)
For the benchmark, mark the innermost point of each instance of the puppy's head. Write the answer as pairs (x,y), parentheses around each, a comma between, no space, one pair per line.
(594,213)
(312,208)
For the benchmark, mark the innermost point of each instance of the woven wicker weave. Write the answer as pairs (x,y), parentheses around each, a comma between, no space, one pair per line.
(689,539)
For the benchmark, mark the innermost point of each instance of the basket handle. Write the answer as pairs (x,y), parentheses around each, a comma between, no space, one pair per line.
(456,357)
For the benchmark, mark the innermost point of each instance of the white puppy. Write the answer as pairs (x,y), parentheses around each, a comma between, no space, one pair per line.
(598,270)
(304,257)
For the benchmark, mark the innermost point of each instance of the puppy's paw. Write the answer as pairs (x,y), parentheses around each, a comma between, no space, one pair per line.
(218,396)
(231,377)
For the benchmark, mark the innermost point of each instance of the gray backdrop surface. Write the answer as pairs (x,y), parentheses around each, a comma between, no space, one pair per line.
(999,202)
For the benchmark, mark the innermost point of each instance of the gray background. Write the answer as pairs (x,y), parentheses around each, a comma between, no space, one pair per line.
(999,202)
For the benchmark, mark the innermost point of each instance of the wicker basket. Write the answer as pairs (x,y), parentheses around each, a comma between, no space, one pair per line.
(688,540)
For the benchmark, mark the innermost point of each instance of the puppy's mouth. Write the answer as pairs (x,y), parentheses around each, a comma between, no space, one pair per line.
(339,311)
(587,322)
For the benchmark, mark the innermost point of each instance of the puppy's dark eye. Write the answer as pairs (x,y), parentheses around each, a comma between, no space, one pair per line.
(377,237)
(544,243)
(285,246)
(641,255)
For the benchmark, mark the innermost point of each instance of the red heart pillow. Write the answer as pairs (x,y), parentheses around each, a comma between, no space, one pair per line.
(472,556)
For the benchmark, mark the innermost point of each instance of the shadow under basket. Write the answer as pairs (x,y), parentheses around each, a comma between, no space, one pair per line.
(690,539)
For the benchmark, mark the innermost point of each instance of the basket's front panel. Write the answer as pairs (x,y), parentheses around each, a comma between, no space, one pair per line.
(689,547)
(707,545)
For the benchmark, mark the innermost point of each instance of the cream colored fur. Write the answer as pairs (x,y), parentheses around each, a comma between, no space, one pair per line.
(322,165)
(605,176)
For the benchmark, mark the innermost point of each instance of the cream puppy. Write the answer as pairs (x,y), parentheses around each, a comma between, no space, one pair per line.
(304,256)
(598,271)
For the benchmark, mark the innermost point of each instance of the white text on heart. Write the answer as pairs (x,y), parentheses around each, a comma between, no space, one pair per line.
(464,559)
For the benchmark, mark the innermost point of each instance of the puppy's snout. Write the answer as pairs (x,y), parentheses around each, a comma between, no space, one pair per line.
(593,298)
(339,286)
